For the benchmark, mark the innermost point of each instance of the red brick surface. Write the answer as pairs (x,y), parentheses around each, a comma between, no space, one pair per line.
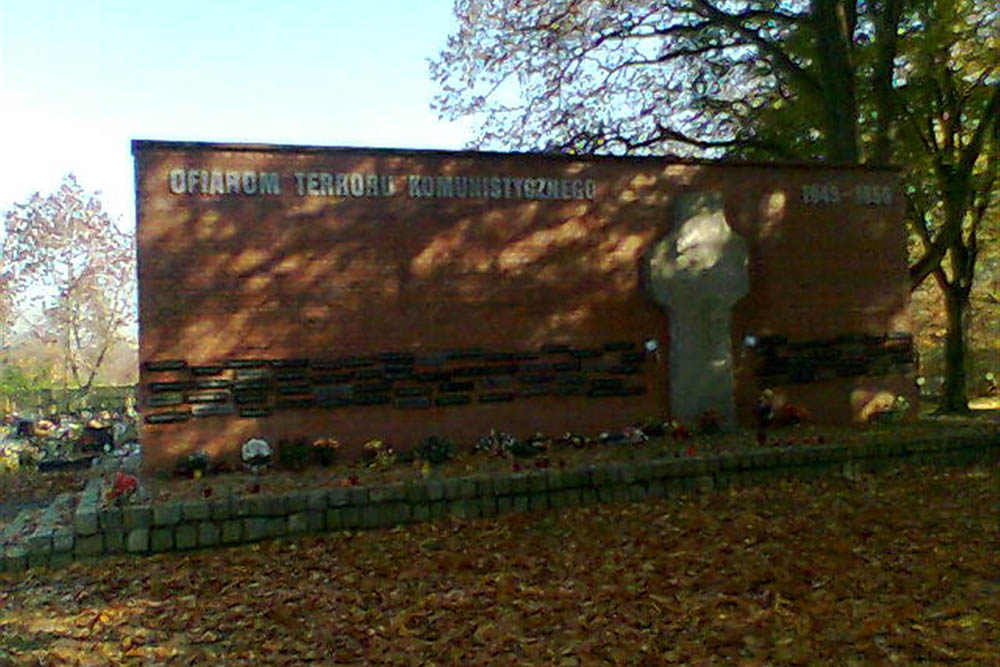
(238,276)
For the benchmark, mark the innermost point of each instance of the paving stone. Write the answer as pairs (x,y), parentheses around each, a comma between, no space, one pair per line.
(298,523)
(416,492)
(538,482)
(357,495)
(438,509)
(62,540)
(395,492)
(85,523)
(256,528)
(334,518)
(186,536)
(502,486)
(538,501)
(489,505)
(588,496)
(316,499)
(242,507)
(137,516)
(468,488)
(351,517)
(277,526)
(39,543)
(401,513)
(58,560)
(435,489)
(38,561)
(197,510)
(161,539)
(636,492)
(505,504)
(110,518)
(114,540)
(221,508)
(295,501)
(137,540)
(15,558)
(337,497)
(166,514)
(421,512)
(316,521)
(376,494)
(518,483)
(232,531)
(88,545)
(519,504)
(208,534)
(657,489)
(452,488)
(370,517)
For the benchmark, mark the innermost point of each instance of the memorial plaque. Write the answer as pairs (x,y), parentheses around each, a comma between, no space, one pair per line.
(166,417)
(453,399)
(253,374)
(246,363)
(211,384)
(243,397)
(160,387)
(456,386)
(166,365)
(255,412)
(161,400)
(494,381)
(292,389)
(200,371)
(410,402)
(290,363)
(370,399)
(334,401)
(251,385)
(412,391)
(211,410)
(619,346)
(290,376)
(208,397)
(296,402)
(496,397)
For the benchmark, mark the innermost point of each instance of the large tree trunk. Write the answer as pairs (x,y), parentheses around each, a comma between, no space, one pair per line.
(953,393)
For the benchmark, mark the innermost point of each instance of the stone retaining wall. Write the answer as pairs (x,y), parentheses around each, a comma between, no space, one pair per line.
(176,526)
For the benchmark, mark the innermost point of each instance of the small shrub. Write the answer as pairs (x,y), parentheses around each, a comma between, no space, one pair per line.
(499,443)
(293,453)
(324,450)
(710,422)
(434,450)
(193,465)
(378,455)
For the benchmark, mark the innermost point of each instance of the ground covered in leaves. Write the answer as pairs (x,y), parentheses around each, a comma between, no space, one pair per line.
(902,567)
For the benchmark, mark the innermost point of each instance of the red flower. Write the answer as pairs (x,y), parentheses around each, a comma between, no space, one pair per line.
(681,432)
(690,451)
(125,484)
(516,467)
(207,491)
(254,488)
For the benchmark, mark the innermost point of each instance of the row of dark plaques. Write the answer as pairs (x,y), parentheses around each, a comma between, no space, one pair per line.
(254,388)
(801,362)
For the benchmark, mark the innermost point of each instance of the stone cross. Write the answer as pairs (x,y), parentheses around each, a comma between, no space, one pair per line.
(698,272)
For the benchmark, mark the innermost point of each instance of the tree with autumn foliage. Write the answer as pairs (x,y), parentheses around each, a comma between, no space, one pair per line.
(916,82)
(68,273)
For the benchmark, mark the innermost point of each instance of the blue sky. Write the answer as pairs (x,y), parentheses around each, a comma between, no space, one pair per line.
(80,79)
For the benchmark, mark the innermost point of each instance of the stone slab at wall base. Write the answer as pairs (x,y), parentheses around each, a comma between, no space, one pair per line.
(143,529)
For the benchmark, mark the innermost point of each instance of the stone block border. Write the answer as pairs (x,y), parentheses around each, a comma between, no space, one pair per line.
(178,526)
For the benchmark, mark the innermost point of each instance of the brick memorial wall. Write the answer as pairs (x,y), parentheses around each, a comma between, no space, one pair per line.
(293,292)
